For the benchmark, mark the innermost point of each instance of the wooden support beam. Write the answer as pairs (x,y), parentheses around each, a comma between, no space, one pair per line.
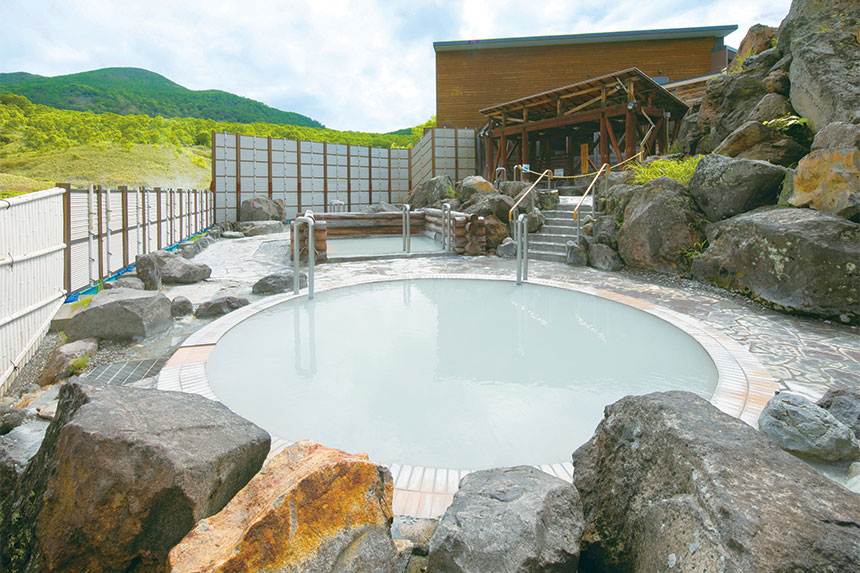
(604,142)
(581,117)
(629,135)
(663,136)
(583,158)
(524,153)
(612,139)
(503,153)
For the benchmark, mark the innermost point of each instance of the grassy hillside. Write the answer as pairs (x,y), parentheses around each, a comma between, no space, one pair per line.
(40,145)
(133,91)
(139,165)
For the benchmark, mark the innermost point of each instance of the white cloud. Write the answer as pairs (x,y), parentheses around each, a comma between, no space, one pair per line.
(361,65)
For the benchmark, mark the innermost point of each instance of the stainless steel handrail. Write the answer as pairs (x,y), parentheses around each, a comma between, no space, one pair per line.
(446,227)
(605,167)
(522,237)
(546,173)
(496,173)
(296,225)
(407,230)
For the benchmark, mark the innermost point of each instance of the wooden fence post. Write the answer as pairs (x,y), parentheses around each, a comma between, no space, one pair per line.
(348,177)
(299,175)
(67,236)
(158,209)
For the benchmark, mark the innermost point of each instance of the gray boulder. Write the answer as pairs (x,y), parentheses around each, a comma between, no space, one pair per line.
(668,482)
(771,106)
(11,418)
(474,184)
(509,519)
(576,254)
(122,475)
(799,426)
(724,187)
(121,314)
(844,405)
(496,204)
(232,235)
(825,78)
(512,188)
(795,260)
(605,230)
(508,248)
(219,306)
(61,361)
(604,258)
(536,220)
(431,191)
(261,209)
(181,306)
(178,270)
(777,82)
(278,283)
(661,223)
(148,270)
(495,231)
(126,282)
(837,135)
(255,228)
(752,140)
(613,200)
(829,180)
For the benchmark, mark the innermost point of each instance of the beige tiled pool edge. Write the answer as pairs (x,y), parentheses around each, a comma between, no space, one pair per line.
(744,386)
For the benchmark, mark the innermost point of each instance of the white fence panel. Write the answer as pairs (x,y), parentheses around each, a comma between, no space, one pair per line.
(31,275)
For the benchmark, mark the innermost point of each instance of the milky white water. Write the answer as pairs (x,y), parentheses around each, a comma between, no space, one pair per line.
(449,373)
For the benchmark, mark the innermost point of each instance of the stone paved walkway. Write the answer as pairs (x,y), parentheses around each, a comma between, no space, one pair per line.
(806,355)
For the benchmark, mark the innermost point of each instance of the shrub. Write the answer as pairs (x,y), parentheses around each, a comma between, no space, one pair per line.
(681,170)
(77,366)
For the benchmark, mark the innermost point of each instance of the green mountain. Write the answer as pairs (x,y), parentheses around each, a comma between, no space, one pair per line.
(133,91)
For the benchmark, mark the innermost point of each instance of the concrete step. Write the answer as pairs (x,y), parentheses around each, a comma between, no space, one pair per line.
(544,247)
(560,221)
(560,239)
(547,256)
(558,229)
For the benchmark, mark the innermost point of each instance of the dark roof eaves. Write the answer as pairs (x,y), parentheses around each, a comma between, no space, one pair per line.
(531,41)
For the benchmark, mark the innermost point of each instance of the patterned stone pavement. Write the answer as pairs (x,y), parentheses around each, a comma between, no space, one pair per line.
(806,355)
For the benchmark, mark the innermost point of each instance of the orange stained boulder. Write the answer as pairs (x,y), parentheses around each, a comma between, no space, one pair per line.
(310,508)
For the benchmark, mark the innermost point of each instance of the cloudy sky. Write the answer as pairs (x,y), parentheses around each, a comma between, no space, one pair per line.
(361,65)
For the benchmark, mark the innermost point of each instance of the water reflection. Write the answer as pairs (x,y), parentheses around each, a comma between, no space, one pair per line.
(311,369)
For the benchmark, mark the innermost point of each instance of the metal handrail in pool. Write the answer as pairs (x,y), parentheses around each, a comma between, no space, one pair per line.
(296,224)
(521,230)
(407,230)
(446,227)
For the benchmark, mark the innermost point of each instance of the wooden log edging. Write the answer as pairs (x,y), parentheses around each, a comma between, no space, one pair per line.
(468,231)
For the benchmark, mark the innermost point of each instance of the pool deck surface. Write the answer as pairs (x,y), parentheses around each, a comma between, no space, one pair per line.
(803,355)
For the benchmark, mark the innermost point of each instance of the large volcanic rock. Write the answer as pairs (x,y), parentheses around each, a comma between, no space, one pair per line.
(261,209)
(496,204)
(844,405)
(613,200)
(122,475)
(176,269)
(822,40)
(474,184)
(509,519)
(496,231)
(758,39)
(724,187)
(668,482)
(121,314)
(798,260)
(661,223)
(799,426)
(311,508)
(753,140)
(430,191)
(61,361)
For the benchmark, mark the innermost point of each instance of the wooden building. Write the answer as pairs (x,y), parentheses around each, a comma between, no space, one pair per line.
(578,127)
(474,74)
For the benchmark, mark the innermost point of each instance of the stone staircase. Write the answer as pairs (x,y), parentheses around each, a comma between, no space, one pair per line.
(550,242)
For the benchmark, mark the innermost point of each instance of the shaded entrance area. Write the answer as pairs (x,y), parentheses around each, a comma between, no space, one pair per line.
(576,128)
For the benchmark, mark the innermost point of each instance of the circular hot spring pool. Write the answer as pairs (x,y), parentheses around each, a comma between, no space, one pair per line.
(451,373)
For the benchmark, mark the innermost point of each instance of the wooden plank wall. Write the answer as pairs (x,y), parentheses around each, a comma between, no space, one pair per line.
(469,80)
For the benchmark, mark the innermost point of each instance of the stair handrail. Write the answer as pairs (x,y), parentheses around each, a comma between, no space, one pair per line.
(604,167)
(546,173)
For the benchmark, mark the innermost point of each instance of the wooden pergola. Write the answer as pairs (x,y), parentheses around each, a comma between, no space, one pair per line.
(619,114)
